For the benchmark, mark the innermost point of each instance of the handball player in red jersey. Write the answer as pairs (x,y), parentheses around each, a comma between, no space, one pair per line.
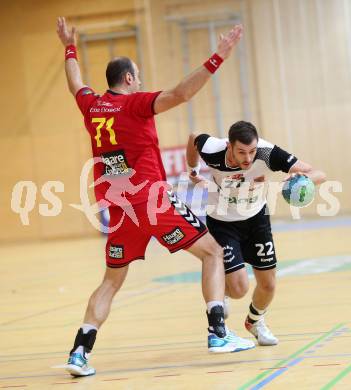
(130,178)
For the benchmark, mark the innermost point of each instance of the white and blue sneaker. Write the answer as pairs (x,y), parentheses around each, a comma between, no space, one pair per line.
(229,343)
(77,365)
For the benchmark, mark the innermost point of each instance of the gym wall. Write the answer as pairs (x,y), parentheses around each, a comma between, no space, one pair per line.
(291,77)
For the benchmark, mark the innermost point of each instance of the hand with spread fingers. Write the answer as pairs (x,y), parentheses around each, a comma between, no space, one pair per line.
(66,35)
(295,174)
(228,41)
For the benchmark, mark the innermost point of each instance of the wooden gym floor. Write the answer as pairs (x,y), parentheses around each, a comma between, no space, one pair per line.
(155,337)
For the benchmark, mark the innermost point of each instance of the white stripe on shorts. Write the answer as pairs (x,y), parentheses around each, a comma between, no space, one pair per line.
(265,266)
(235,266)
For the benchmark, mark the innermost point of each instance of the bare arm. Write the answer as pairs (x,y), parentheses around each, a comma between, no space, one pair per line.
(192,154)
(193,160)
(303,168)
(192,83)
(73,75)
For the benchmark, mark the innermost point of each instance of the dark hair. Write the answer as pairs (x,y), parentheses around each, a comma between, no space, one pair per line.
(244,132)
(117,69)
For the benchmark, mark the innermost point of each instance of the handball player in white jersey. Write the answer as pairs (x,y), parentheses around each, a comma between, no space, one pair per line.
(237,216)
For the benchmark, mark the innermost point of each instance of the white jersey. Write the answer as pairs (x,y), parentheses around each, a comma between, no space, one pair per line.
(236,194)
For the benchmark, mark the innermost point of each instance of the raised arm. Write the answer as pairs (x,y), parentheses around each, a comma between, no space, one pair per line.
(69,40)
(192,83)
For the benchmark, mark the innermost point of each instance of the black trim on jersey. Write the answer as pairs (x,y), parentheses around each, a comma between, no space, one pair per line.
(280,160)
(214,160)
(200,141)
(274,157)
(113,93)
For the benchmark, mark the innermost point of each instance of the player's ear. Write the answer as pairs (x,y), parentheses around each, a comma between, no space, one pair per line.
(129,78)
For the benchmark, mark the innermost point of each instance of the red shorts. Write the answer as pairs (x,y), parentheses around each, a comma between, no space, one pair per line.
(175,228)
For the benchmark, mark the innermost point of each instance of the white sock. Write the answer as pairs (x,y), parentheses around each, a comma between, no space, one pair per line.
(80,350)
(212,304)
(87,327)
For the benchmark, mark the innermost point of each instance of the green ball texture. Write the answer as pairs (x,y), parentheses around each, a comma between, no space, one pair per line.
(299,191)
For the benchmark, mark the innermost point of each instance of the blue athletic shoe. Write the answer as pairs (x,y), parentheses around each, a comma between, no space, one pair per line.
(77,365)
(230,343)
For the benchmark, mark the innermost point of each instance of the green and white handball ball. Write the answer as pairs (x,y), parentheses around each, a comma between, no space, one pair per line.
(299,191)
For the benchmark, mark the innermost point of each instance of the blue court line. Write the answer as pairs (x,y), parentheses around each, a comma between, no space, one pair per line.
(260,378)
(277,373)
(172,366)
(144,348)
(298,360)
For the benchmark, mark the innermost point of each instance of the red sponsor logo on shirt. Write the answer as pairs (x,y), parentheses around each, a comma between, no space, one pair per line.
(238,176)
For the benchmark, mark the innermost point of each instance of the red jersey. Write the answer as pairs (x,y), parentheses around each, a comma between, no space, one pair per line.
(123,134)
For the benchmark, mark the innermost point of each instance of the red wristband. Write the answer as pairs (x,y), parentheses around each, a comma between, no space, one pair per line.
(213,63)
(71,52)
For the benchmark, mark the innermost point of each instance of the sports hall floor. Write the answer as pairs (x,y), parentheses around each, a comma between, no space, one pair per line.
(155,337)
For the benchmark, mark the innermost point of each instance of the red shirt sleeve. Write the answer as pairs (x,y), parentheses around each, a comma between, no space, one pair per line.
(142,103)
(85,97)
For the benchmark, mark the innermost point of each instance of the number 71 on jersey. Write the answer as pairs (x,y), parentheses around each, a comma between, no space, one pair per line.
(107,124)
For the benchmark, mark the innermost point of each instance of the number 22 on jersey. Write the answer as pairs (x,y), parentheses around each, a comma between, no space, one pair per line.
(107,124)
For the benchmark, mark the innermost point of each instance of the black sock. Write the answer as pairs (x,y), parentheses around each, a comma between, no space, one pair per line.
(254,314)
(216,321)
(86,340)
